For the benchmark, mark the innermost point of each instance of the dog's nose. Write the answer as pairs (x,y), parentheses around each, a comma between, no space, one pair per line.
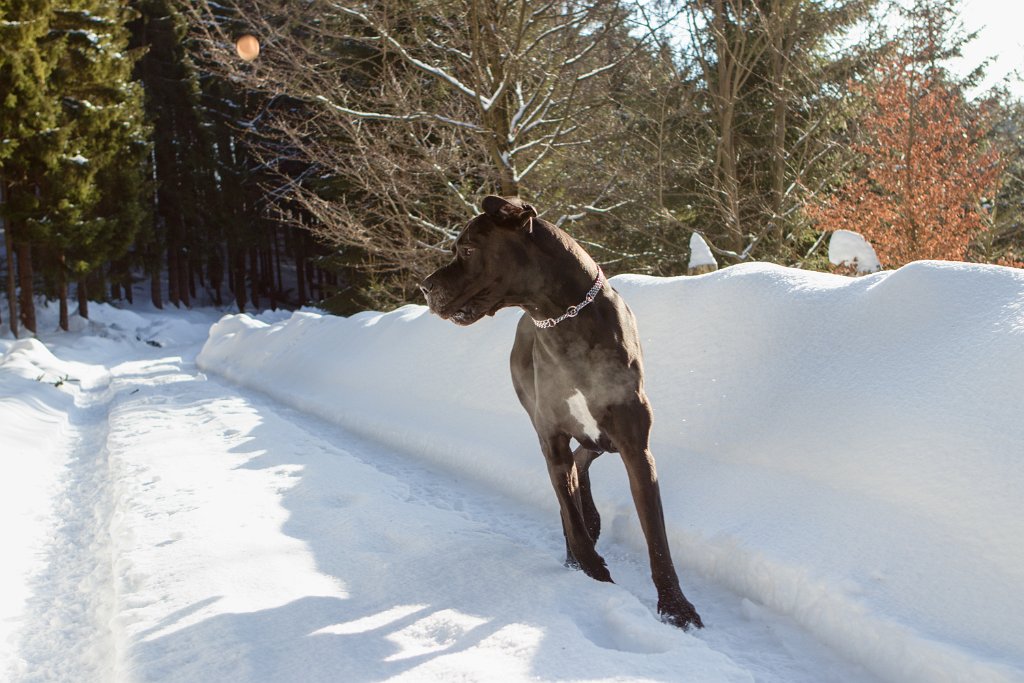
(425,287)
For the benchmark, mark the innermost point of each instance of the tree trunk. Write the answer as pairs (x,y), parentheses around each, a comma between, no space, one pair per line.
(215,275)
(120,279)
(725,157)
(83,298)
(277,260)
(193,271)
(254,278)
(155,290)
(778,66)
(172,274)
(239,279)
(183,278)
(25,274)
(269,285)
(496,116)
(11,286)
(10,262)
(300,266)
(232,281)
(62,290)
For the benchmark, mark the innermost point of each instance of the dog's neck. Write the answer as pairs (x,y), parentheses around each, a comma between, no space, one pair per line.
(575,309)
(571,273)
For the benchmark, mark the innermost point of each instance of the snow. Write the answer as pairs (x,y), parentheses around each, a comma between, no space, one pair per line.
(88,35)
(846,247)
(306,497)
(700,253)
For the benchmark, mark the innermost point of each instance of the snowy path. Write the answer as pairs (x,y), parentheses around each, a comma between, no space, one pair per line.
(214,534)
(841,459)
(67,629)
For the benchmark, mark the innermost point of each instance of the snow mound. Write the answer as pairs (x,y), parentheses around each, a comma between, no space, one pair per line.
(30,359)
(846,247)
(700,255)
(844,451)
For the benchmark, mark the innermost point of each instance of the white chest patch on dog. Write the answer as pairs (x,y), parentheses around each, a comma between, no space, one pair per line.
(578,409)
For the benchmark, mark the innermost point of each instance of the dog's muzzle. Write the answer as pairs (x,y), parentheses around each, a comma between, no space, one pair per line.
(444,304)
(438,297)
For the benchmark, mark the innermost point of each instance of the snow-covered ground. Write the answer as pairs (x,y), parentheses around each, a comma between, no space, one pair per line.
(311,498)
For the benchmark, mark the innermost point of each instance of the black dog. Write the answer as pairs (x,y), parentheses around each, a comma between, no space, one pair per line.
(576,366)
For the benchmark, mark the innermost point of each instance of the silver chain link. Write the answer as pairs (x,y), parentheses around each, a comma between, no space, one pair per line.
(573,311)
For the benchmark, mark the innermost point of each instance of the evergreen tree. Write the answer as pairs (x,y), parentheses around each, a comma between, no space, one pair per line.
(182,157)
(96,190)
(95,193)
(238,225)
(774,105)
(28,138)
(1004,244)
(73,142)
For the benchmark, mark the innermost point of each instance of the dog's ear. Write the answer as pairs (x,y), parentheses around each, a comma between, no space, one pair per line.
(510,211)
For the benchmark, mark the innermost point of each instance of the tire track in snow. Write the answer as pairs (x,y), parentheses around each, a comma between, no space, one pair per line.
(67,632)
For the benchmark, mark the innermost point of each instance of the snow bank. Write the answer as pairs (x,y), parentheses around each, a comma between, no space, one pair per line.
(36,396)
(844,451)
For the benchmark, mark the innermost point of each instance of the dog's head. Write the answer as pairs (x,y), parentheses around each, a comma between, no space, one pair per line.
(490,257)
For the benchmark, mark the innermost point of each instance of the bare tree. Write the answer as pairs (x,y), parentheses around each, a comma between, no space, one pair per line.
(399,115)
(728,60)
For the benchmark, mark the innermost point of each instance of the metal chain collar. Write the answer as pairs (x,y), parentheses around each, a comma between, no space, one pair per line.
(573,311)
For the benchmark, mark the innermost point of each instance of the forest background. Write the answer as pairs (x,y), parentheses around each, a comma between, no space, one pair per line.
(337,166)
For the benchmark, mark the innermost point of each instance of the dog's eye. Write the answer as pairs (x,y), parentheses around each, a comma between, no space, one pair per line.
(468,251)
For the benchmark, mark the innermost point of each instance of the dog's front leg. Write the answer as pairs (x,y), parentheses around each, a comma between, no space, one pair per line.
(565,480)
(583,457)
(673,606)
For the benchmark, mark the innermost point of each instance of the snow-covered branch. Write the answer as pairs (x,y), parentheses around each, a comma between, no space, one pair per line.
(431,69)
(416,116)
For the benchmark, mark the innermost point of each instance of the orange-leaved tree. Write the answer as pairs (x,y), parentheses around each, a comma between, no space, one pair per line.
(926,169)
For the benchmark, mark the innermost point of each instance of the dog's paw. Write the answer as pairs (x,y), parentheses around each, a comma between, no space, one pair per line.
(597,569)
(678,611)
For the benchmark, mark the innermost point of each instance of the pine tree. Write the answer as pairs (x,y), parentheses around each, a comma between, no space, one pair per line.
(182,155)
(773,100)
(223,105)
(98,188)
(1004,244)
(29,142)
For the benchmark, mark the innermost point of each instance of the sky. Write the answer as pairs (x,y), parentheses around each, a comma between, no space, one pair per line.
(1000,38)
